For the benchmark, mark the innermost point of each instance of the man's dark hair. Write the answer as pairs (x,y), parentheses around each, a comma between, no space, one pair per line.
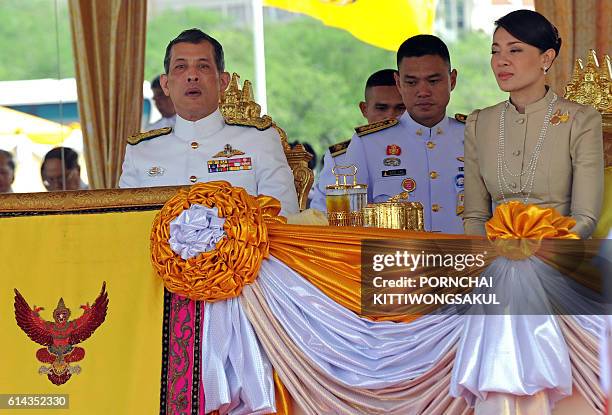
(71,158)
(532,28)
(422,45)
(155,83)
(196,36)
(384,77)
(9,159)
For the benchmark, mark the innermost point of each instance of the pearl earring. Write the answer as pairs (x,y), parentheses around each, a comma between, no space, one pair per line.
(545,69)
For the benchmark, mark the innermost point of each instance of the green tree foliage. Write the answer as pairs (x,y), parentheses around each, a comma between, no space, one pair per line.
(315,74)
(30,32)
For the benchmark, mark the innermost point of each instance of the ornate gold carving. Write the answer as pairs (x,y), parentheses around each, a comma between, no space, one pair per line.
(239,108)
(591,84)
(85,200)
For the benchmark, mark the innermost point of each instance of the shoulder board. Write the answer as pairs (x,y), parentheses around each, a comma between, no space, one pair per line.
(137,138)
(461,118)
(339,148)
(261,123)
(375,126)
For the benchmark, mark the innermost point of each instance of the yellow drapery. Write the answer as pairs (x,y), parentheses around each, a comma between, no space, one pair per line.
(108,38)
(330,257)
(583,25)
(70,256)
(385,24)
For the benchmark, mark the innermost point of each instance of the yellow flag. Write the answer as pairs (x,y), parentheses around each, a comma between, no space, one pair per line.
(113,364)
(382,23)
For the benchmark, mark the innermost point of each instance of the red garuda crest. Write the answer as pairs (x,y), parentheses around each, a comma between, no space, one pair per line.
(60,335)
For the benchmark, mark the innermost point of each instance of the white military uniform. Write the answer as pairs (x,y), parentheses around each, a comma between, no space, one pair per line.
(208,150)
(162,123)
(427,162)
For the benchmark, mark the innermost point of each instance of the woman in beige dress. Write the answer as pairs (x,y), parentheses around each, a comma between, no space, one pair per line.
(536,147)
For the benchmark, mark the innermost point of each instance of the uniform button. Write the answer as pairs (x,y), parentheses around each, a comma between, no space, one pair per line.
(435,207)
(431,145)
(513,185)
(194,145)
(193,179)
(433,174)
(520,120)
(516,152)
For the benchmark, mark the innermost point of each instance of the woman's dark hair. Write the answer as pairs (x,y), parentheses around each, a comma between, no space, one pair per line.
(532,28)
(71,158)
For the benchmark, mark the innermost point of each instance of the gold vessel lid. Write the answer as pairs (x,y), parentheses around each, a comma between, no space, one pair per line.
(345,185)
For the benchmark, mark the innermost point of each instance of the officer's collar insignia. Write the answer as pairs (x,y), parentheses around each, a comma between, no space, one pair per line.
(339,148)
(462,118)
(156,171)
(439,131)
(419,132)
(461,159)
(137,138)
(228,152)
(558,117)
(376,126)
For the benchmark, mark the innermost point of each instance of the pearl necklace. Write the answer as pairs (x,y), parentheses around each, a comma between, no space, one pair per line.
(530,171)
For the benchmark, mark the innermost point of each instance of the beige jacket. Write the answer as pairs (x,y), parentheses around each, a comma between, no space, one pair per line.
(569,173)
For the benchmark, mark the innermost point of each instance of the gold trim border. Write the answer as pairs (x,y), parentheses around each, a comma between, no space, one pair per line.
(85,200)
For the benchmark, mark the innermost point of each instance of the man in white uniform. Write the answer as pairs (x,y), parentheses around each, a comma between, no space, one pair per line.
(382,100)
(202,147)
(422,151)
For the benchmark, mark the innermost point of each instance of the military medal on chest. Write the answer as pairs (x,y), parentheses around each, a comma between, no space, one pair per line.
(226,162)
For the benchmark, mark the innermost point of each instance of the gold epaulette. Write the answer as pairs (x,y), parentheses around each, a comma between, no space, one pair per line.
(339,148)
(375,126)
(261,123)
(137,138)
(461,118)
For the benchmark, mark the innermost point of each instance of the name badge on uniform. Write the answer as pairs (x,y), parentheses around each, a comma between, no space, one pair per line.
(235,164)
(392,173)
(155,171)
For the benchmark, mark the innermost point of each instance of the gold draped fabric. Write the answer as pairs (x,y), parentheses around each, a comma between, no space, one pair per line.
(108,38)
(330,257)
(583,25)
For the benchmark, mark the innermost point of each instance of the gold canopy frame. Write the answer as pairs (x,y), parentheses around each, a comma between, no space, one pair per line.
(239,108)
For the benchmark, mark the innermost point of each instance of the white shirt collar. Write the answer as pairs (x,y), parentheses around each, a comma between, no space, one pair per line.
(202,128)
(425,132)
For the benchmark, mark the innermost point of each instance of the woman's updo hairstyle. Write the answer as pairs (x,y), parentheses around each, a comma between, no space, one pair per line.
(532,28)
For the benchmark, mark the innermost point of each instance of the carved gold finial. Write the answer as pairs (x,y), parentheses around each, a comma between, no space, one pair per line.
(239,108)
(591,84)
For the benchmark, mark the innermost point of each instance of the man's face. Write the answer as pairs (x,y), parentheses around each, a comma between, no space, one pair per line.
(193,81)
(163,103)
(425,85)
(382,102)
(52,176)
(7,175)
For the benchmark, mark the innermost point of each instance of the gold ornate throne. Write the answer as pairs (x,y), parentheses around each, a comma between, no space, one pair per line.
(591,84)
(238,107)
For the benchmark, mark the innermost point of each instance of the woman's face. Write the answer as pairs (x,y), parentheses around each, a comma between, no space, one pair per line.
(516,64)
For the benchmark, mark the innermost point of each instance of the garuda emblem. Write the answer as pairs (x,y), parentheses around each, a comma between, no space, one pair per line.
(60,335)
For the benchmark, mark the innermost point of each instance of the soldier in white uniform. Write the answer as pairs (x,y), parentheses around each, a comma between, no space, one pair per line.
(382,101)
(202,146)
(422,153)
